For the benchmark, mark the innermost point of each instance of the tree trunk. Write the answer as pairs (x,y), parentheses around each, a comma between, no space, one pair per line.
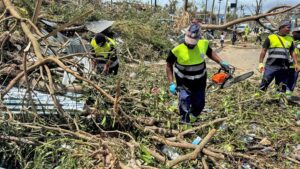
(212,12)
(185,5)
(225,13)
(205,11)
(218,20)
(258,6)
(250,18)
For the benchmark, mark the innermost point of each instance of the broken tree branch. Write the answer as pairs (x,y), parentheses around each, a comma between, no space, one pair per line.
(25,28)
(250,18)
(67,24)
(180,135)
(194,154)
(36,11)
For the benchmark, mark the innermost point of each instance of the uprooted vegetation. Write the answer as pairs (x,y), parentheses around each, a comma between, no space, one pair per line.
(134,115)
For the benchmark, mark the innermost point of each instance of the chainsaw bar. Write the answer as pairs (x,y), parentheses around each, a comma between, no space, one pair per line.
(237,79)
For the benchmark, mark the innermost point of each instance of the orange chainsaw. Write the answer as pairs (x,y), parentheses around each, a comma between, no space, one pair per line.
(223,79)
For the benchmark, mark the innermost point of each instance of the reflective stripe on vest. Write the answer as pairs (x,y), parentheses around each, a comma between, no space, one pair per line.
(103,50)
(182,75)
(192,68)
(190,63)
(276,50)
(278,53)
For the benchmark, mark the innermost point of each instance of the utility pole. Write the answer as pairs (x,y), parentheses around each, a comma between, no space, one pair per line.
(205,10)
(242,10)
(235,9)
(225,13)
(212,11)
(219,11)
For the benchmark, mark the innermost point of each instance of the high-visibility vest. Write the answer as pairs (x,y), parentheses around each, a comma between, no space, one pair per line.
(297,51)
(276,50)
(103,50)
(246,31)
(190,63)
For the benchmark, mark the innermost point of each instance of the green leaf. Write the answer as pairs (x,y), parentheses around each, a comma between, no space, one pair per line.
(168,124)
(103,122)
(114,121)
(146,156)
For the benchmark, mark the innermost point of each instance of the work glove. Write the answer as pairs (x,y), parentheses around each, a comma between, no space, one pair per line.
(296,68)
(261,67)
(225,65)
(172,88)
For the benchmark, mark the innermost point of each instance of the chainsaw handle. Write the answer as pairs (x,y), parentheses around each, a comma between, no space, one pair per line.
(231,71)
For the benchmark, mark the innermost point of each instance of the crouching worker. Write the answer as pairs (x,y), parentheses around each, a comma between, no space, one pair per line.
(187,62)
(105,58)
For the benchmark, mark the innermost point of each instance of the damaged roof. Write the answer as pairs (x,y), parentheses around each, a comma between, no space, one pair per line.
(98,26)
(17,101)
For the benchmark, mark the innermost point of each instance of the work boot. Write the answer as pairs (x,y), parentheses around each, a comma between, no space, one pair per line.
(193,118)
(289,94)
(278,95)
(195,121)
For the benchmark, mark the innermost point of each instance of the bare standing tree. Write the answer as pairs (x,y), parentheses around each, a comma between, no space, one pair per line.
(185,5)
(258,6)
(212,11)
(225,13)
(172,6)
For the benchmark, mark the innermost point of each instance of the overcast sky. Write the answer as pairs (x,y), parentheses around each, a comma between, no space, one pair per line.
(250,4)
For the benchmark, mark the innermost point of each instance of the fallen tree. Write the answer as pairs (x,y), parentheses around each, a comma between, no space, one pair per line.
(251,18)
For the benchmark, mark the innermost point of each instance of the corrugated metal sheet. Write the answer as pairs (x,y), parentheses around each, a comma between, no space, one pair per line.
(98,26)
(49,23)
(17,100)
(95,26)
(75,46)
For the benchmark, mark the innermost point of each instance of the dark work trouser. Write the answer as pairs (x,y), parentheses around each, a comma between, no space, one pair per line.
(279,74)
(112,70)
(258,38)
(190,102)
(292,79)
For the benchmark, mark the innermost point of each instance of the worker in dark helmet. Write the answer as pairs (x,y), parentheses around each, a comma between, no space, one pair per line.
(280,49)
(105,58)
(187,62)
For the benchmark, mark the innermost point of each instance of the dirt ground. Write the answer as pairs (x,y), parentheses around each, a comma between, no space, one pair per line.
(243,58)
